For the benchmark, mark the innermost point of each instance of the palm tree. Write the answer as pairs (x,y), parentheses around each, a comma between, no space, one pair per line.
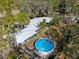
(43,24)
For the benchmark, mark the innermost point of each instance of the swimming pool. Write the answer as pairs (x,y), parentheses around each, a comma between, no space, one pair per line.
(44,45)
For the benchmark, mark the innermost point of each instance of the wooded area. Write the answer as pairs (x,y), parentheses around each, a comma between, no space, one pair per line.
(16,14)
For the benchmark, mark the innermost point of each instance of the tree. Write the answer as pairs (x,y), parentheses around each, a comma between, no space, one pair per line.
(22,18)
(42,24)
(62,7)
(7,27)
(7,5)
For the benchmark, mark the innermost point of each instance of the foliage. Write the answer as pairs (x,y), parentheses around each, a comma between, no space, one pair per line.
(72,47)
(65,35)
(54,2)
(57,19)
(5,4)
(66,39)
(42,24)
(8,23)
(12,55)
(22,18)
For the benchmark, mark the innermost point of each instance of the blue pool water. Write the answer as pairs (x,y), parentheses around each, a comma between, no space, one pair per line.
(44,45)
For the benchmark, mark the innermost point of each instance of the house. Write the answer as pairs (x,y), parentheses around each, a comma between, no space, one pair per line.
(30,30)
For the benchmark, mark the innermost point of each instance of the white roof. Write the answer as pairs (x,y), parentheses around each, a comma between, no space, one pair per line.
(36,21)
(21,37)
(30,30)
